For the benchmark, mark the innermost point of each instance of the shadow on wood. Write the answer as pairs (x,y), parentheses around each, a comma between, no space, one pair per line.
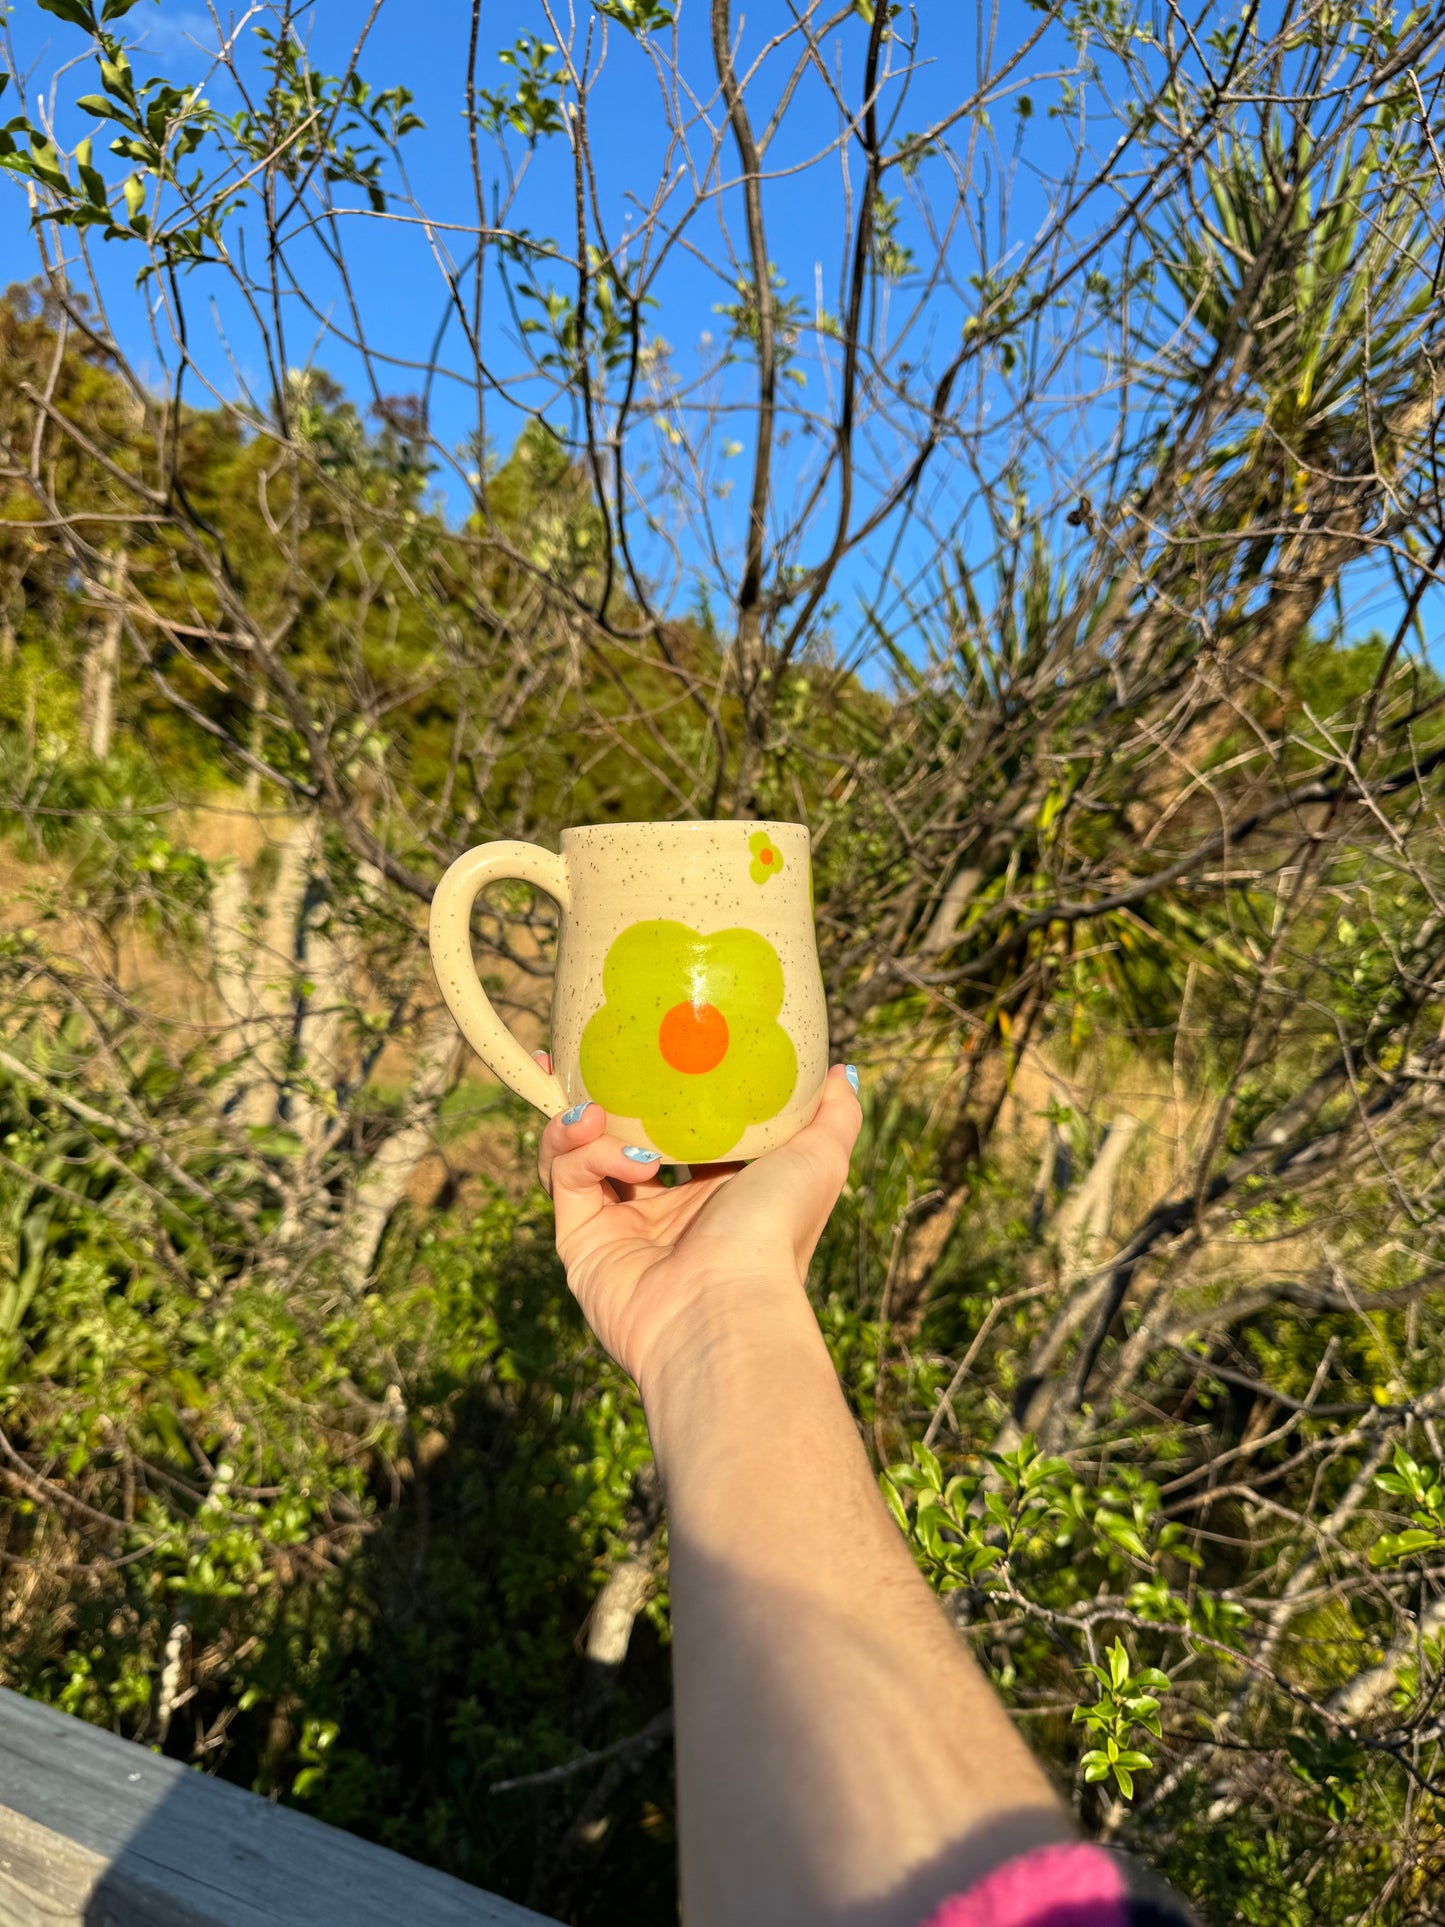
(98,1832)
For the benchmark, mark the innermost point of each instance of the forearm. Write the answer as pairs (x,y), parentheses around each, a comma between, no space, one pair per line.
(838,1749)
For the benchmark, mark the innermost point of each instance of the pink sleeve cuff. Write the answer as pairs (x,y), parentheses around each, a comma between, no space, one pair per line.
(1063,1886)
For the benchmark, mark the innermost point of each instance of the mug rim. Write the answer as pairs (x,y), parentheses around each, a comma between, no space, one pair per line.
(689,827)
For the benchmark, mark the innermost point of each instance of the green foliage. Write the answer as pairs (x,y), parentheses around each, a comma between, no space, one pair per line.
(343,1633)
(1128,1700)
(1026,1513)
(318,121)
(639,17)
(310,122)
(961,1544)
(533,109)
(111,823)
(1424,1488)
(1331,1763)
(891,258)
(789,313)
(466,1627)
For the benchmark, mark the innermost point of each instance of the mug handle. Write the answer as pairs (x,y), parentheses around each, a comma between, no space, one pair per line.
(451,956)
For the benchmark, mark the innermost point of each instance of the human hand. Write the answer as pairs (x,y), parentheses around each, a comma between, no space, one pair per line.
(657,1268)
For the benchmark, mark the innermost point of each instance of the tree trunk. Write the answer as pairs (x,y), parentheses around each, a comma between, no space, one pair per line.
(256,962)
(102,662)
(383,1183)
(1079,1230)
(323,961)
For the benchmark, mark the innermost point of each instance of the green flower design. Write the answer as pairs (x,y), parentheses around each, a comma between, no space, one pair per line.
(688,1038)
(767,857)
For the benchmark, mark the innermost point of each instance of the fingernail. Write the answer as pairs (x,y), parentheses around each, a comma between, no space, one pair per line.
(639,1156)
(574,1116)
(850,1071)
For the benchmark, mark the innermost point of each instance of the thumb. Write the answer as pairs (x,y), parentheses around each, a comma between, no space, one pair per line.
(816,1159)
(830,1138)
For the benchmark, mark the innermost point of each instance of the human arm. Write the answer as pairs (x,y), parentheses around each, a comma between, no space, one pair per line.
(841,1758)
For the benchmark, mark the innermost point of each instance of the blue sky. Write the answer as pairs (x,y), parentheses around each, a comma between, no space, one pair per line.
(398,284)
(422,44)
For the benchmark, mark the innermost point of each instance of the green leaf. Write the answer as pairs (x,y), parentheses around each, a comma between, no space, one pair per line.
(893,1500)
(1401,1545)
(94,184)
(638,16)
(958,1492)
(135,194)
(116,78)
(78,14)
(45,163)
(96,104)
(1123,1534)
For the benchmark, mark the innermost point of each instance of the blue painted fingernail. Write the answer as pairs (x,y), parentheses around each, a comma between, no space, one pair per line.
(640,1157)
(574,1116)
(850,1071)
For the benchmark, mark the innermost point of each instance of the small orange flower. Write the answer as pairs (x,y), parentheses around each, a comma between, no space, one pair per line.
(767,857)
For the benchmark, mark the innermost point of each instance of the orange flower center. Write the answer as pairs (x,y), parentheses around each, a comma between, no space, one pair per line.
(765,856)
(693,1037)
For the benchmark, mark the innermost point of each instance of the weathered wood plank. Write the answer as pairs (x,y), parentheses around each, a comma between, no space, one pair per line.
(96,1832)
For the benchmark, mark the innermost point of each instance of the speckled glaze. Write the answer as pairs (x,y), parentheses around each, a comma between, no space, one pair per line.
(608,879)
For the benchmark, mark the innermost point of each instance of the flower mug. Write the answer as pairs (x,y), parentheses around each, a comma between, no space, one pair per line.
(687,1000)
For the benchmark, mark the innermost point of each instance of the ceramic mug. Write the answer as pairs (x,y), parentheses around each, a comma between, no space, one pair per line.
(687,1002)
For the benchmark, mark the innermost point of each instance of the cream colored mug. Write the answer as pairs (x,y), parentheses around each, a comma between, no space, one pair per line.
(688,1001)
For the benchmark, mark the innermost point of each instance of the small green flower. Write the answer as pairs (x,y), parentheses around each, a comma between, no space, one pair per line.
(688,1039)
(767,857)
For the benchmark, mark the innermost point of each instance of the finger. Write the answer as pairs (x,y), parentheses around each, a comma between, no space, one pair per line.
(544,1058)
(838,1119)
(580,1125)
(590,1177)
(826,1145)
(802,1179)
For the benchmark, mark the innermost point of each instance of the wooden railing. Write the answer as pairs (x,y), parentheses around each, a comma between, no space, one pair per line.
(99,1832)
